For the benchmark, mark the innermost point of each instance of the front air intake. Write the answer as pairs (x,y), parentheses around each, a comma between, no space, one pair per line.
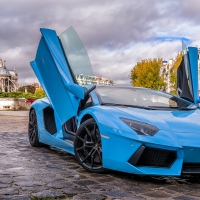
(153,157)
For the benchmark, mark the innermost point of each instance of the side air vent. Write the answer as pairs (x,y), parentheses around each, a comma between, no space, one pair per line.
(70,126)
(49,120)
(153,157)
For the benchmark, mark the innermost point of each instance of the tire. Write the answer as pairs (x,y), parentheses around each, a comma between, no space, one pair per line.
(33,130)
(87,147)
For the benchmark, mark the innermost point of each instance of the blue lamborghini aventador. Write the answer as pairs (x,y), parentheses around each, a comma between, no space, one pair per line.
(129,129)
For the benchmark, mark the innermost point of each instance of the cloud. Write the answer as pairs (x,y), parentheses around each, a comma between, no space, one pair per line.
(116,34)
(117,64)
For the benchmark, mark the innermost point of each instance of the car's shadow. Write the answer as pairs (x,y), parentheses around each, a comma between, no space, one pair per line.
(161,180)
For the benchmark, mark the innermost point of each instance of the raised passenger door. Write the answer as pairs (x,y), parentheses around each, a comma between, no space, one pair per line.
(187,75)
(57,74)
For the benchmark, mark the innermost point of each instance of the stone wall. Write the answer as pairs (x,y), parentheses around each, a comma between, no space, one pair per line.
(14,104)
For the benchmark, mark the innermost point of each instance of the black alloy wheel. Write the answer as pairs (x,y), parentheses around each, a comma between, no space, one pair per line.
(87,147)
(33,130)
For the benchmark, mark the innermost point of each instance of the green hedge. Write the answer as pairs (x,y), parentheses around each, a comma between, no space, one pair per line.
(17,95)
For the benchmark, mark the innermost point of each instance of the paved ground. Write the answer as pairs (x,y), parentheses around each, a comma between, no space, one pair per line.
(44,173)
(14,113)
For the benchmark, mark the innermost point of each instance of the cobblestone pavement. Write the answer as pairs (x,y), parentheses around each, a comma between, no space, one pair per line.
(46,173)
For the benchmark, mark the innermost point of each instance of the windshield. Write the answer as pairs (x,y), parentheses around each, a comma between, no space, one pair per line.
(76,56)
(139,97)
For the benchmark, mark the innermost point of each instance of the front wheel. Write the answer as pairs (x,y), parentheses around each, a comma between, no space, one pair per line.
(88,148)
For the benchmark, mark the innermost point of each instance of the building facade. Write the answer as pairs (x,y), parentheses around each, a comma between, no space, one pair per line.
(8,79)
(165,72)
(14,104)
(96,80)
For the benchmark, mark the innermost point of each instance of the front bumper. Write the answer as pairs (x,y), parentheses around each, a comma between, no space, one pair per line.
(118,149)
(121,153)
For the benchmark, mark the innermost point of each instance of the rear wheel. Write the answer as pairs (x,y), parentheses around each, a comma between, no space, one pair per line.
(88,148)
(33,130)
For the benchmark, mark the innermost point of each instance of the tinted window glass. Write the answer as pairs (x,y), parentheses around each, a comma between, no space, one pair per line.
(139,97)
(77,56)
(187,67)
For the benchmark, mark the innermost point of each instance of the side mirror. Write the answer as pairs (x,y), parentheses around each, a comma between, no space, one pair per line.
(77,90)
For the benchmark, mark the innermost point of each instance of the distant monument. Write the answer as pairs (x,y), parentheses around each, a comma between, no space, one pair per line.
(8,79)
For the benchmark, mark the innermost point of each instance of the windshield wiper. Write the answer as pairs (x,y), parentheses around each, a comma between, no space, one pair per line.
(126,105)
(143,107)
(111,104)
(176,107)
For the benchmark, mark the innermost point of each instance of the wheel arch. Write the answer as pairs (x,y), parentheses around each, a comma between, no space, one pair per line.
(86,117)
(31,108)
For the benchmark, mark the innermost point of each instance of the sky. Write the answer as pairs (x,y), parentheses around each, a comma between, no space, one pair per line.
(117,34)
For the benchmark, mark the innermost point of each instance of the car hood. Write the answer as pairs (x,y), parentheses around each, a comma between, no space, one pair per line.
(186,121)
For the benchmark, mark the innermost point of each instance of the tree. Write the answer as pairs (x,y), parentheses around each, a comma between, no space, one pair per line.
(147,73)
(27,88)
(39,93)
(173,72)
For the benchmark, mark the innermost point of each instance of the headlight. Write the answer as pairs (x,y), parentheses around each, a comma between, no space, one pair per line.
(141,128)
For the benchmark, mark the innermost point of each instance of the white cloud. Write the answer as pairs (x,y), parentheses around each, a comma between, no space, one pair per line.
(116,34)
(117,64)
(11,53)
(29,81)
